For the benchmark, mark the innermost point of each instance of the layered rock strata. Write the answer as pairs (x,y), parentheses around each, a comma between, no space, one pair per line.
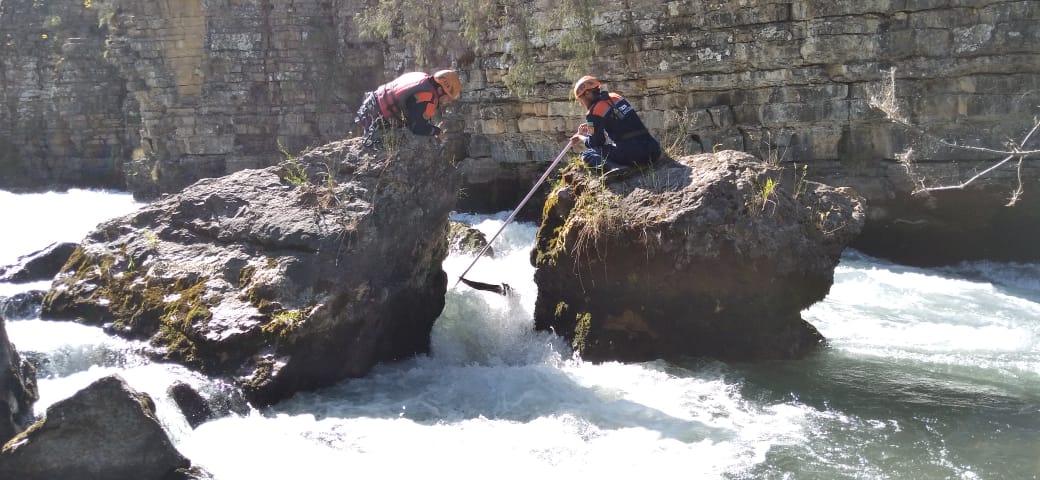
(162,94)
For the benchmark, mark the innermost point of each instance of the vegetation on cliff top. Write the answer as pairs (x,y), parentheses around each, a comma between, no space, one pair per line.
(517,25)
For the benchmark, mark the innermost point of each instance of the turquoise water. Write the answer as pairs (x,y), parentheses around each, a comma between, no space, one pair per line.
(928,374)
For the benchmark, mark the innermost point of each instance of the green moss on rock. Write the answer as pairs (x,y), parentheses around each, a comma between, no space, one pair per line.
(186,309)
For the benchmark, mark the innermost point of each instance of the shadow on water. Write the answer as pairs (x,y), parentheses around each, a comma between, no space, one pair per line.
(1018,280)
(946,424)
(1021,280)
(871,385)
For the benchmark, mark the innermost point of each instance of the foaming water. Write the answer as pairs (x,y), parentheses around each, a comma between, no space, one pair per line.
(928,373)
(69,357)
(70,348)
(486,328)
(11,289)
(496,397)
(465,421)
(940,317)
(44,218)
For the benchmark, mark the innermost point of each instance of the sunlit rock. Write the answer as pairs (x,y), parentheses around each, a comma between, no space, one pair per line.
(708,255)
(467,240)
(107,430)
(285,278)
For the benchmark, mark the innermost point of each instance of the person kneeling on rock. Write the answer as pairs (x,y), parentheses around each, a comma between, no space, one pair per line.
(610,115)
(410,100)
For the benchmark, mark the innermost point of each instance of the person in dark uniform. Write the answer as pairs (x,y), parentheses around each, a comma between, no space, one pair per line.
(410,100)
(613,134)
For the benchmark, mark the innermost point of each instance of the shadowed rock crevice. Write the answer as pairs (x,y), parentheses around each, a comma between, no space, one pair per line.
(18,390)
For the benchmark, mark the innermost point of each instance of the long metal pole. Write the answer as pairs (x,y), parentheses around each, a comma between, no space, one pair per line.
(515,211)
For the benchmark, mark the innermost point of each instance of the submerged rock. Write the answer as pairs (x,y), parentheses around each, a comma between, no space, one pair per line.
(198,408)
(467,240)
(286,278)
(22,305)
(195,409)
(107,430)
(708,255)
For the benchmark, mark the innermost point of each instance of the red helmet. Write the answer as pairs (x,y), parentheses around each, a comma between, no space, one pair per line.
(584,84)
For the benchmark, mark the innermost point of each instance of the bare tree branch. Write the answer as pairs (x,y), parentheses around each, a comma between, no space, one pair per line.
(883,98)
(1017,154)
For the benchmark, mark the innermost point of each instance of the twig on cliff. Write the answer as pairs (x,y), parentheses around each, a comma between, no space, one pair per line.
(883,98)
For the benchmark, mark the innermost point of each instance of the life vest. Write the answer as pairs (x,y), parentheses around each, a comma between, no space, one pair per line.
(621,120)
(391,96)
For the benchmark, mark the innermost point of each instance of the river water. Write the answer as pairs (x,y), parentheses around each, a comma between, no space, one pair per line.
(928,374)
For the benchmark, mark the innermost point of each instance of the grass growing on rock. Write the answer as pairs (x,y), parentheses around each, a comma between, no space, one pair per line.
(284,322)
(581,331)
(596,211)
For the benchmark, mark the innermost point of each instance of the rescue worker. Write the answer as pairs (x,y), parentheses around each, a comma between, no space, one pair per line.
(610,115)
(410,100)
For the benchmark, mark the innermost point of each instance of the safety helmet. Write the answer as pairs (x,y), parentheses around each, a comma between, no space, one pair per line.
(584,84)
(449,81)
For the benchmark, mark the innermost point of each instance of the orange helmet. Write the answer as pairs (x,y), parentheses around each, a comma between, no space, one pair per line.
(584,84)
(449,81)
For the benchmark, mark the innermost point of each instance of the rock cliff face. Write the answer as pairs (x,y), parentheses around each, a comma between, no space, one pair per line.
(66,117)
(230,85)
(161,94)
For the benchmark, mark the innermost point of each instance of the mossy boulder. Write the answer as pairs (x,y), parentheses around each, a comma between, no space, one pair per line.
(709,255)
(284,278)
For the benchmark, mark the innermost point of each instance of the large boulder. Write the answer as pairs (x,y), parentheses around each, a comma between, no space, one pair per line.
(286,278)
(105,431)
(18,390)
(708,255)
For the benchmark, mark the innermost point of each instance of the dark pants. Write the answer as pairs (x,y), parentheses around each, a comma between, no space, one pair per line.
(368,118)
(639,151)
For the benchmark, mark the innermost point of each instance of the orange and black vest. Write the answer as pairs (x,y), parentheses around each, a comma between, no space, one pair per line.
(392,96)
(613,115)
